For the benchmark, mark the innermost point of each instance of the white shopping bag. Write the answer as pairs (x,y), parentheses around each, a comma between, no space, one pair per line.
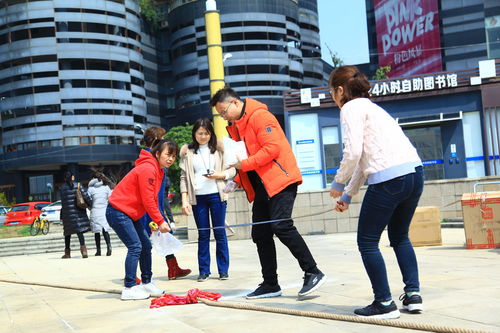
(165,243)
(233,150)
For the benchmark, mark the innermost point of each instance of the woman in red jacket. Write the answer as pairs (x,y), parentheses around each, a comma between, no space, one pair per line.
(136,194)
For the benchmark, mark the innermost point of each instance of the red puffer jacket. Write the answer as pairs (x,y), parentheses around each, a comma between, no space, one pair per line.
(269,152)
(137,192)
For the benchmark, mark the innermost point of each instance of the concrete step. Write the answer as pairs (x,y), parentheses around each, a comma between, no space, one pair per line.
(452,224)
(54,242)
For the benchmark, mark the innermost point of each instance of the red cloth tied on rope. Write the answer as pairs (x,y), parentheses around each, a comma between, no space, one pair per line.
(191,298)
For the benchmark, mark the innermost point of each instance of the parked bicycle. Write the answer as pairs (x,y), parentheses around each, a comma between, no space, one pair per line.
(39,224)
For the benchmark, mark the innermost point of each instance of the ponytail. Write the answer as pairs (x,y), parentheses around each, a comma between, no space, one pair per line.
(354,83)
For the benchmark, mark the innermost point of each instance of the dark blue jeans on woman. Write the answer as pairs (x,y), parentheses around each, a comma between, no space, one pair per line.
(211,204)
(135,238)
(390,204)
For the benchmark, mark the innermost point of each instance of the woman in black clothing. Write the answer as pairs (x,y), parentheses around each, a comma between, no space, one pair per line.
(75,219)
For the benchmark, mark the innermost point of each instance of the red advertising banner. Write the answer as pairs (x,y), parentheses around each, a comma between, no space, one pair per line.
(408,36)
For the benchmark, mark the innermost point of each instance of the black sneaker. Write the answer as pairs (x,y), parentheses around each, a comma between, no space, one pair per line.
(412,303)
(378,310)
(203,277)
(223,276)
(264,291)
(312,282)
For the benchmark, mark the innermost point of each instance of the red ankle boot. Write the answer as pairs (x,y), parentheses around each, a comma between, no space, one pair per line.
(174,271)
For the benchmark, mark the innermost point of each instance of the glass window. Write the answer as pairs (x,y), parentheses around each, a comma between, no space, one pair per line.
(232,37)
(99,84)
(44,89)
(95,27)
(101,140)
(72,141)
(119,66)
(493,36)
(74,26)
(331,151)
(20,208)
(38,184)
(19,35)
(126,140)
(427,141)
(97,64)
(55,143)
(42,32)
(87,140)
(255,35)
(4,39)
(71,64)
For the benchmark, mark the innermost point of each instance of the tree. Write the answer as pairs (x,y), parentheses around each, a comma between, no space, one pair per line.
(335,58)
(181,135)
(4,201)
(149,9)
(381,73)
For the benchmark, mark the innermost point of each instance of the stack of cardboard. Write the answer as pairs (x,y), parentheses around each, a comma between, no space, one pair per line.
(481,212)
(425,227)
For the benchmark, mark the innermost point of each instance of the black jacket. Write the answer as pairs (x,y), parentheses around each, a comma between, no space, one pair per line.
(74,218)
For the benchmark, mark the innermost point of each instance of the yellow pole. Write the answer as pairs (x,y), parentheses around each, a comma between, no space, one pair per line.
(215,63)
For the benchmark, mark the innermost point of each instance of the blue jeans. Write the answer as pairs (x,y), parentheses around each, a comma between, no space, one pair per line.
(390,204)
(135,238)
(205,204)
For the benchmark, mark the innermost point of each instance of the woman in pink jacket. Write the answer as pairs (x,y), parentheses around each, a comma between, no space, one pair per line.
(377,150)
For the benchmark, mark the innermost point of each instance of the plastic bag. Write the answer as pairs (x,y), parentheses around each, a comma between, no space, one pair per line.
(165,243)
(230,187)
(233,150)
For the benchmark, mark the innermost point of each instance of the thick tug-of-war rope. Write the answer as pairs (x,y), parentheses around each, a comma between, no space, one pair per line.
(348,318)
(191,298)
(293,312)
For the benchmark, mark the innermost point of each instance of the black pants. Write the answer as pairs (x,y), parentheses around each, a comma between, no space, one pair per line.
(278,207)
(67,240)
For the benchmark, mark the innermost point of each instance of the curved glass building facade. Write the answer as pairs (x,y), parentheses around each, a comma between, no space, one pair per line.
(72,86)
(270,46)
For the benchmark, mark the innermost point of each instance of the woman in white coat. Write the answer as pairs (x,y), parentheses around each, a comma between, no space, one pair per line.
(98,223)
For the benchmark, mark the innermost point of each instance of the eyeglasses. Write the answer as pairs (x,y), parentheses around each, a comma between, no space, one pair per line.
(227,108)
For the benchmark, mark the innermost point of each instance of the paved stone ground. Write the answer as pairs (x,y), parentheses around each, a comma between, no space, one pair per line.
(460,289)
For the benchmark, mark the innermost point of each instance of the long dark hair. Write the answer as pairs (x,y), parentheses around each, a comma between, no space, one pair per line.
(207,125)
(68,178)
(354,82)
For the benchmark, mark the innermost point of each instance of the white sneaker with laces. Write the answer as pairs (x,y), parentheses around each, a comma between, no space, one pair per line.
(135,292)
(152,288)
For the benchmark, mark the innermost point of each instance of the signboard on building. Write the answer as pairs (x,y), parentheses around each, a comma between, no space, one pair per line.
(408,37)
(415,84)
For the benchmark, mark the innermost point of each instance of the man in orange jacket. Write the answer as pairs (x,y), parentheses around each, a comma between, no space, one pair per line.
(270,177)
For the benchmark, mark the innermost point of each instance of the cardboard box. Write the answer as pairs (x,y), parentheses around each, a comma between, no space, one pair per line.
(481,211)
(425,227)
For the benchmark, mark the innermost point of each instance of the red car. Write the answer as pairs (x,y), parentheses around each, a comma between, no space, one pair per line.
(24,213)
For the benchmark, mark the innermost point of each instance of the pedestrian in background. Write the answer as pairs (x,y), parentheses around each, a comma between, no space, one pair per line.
(270,177)
(166,200)
(152,135)
(203,179)
(74,218)
(133,196)
(375,148)
(99,192)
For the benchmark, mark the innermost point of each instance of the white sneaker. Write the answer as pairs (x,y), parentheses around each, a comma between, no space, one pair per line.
(152,288)
(135,292)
